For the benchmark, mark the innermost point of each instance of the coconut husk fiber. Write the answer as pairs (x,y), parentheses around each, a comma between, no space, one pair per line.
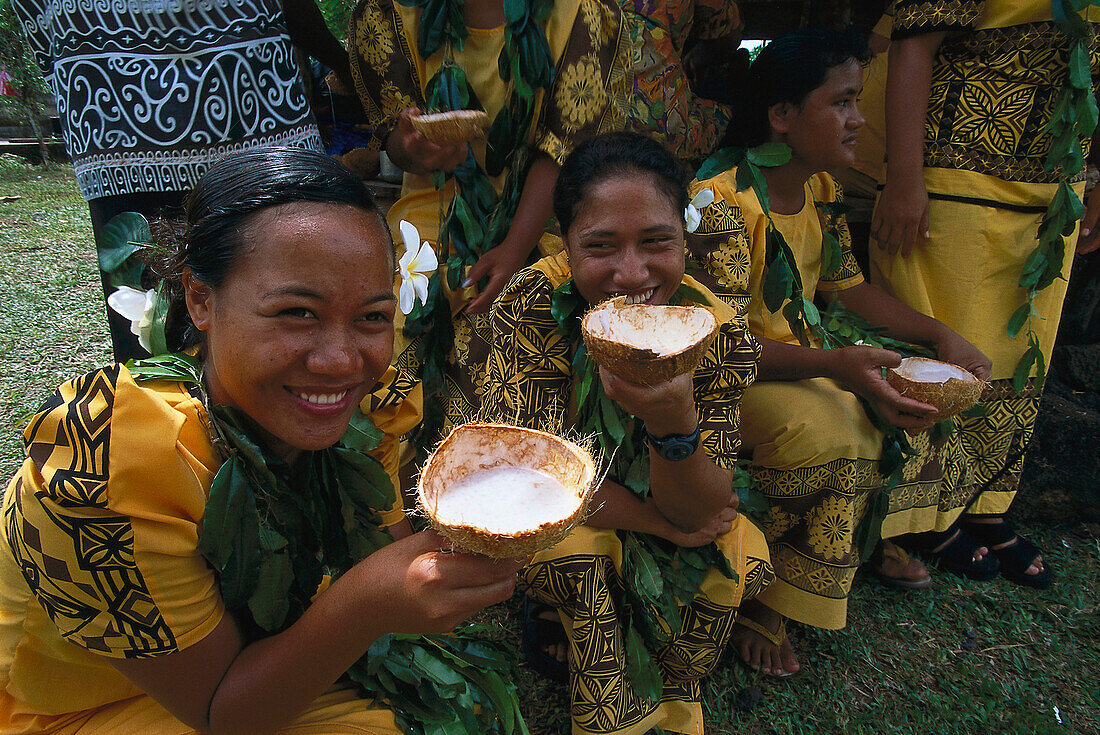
(648,344)
(473,447)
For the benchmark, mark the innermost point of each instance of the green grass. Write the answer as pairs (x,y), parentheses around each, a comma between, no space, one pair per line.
(960,657)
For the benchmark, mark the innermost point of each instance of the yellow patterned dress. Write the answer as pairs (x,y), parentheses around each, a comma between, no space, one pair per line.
(663,105)
(531,382)
(814,450)
(590,95)
(994,81)
(100,559)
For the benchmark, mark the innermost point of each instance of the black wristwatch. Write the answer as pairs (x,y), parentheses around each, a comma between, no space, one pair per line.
(674,447)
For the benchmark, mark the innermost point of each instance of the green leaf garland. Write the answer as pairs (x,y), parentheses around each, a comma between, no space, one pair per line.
(658,575)
(1073,120)
(273,531)
(477,219)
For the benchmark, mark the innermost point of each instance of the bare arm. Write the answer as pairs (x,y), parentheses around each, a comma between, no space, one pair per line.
(900,221)
(905,323)
(502,262)
(614,506)
(859,368)
(219,685)
(690,493)
(309,32)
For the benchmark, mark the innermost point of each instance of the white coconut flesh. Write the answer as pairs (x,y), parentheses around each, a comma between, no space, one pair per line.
(662,330)
(505,500)
(474,116)
(923,370)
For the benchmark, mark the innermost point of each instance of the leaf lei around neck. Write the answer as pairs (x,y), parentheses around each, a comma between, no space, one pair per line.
(658,574)
(273,531)
(477,219)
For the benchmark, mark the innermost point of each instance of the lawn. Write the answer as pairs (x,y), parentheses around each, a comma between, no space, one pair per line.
(961,657)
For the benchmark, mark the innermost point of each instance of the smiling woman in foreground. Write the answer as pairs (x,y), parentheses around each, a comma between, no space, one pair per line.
(126,546)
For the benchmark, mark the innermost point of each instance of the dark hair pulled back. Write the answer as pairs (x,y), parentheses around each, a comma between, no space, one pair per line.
(217,214)
(616,154)
(787,70)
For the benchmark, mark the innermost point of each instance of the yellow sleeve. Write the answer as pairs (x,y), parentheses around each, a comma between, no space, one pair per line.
(720,248)
(396,407)
(720,379)
(103,517)
(530,372)
(848,273)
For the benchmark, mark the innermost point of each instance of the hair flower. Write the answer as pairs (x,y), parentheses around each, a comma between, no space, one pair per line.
(415,266)
(693,215)
(137,306)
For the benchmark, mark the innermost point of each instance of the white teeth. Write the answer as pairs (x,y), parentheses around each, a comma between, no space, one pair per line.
(322,399)
(640,298)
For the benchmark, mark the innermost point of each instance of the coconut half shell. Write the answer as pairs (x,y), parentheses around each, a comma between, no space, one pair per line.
(648,344)
(474,447)
(948,387)
(450,128)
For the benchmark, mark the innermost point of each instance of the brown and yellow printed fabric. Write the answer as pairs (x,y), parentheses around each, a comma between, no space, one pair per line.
(814,450)
(531,383)
(994,80)
(914,17)
(590,93)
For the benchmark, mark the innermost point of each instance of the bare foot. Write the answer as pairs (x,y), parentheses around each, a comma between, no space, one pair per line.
(771,653)
(557,651)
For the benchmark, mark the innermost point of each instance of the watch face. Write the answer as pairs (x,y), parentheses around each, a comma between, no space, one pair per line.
(677,449)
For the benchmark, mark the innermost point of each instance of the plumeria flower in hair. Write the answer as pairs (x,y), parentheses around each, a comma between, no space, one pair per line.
(137,306)
(693,215)
(415,266)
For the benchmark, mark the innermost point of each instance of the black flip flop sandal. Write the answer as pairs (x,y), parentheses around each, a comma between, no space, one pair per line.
(538,633)
(957,557)
(1016,557)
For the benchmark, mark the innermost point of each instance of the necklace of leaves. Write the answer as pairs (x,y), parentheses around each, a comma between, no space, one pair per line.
(272,531)
(477,219)
(658,575)
(1072,121)
(782,290)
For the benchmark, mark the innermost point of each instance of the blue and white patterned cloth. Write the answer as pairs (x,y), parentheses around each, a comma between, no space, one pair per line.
(150,92)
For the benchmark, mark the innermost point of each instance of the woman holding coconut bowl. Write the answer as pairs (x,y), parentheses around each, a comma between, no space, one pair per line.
(818,454)
(664,528)
(166,538)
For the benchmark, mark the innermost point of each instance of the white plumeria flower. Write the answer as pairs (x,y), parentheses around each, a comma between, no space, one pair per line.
(693,215)
(415,266)
(137,306)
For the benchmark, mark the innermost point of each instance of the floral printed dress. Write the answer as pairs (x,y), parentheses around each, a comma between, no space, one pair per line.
(663,104)
(814,450)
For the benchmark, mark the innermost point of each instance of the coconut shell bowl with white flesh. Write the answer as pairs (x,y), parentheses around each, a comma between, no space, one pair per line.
(505,491)
(648,344)
(948,387)
(451,128)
